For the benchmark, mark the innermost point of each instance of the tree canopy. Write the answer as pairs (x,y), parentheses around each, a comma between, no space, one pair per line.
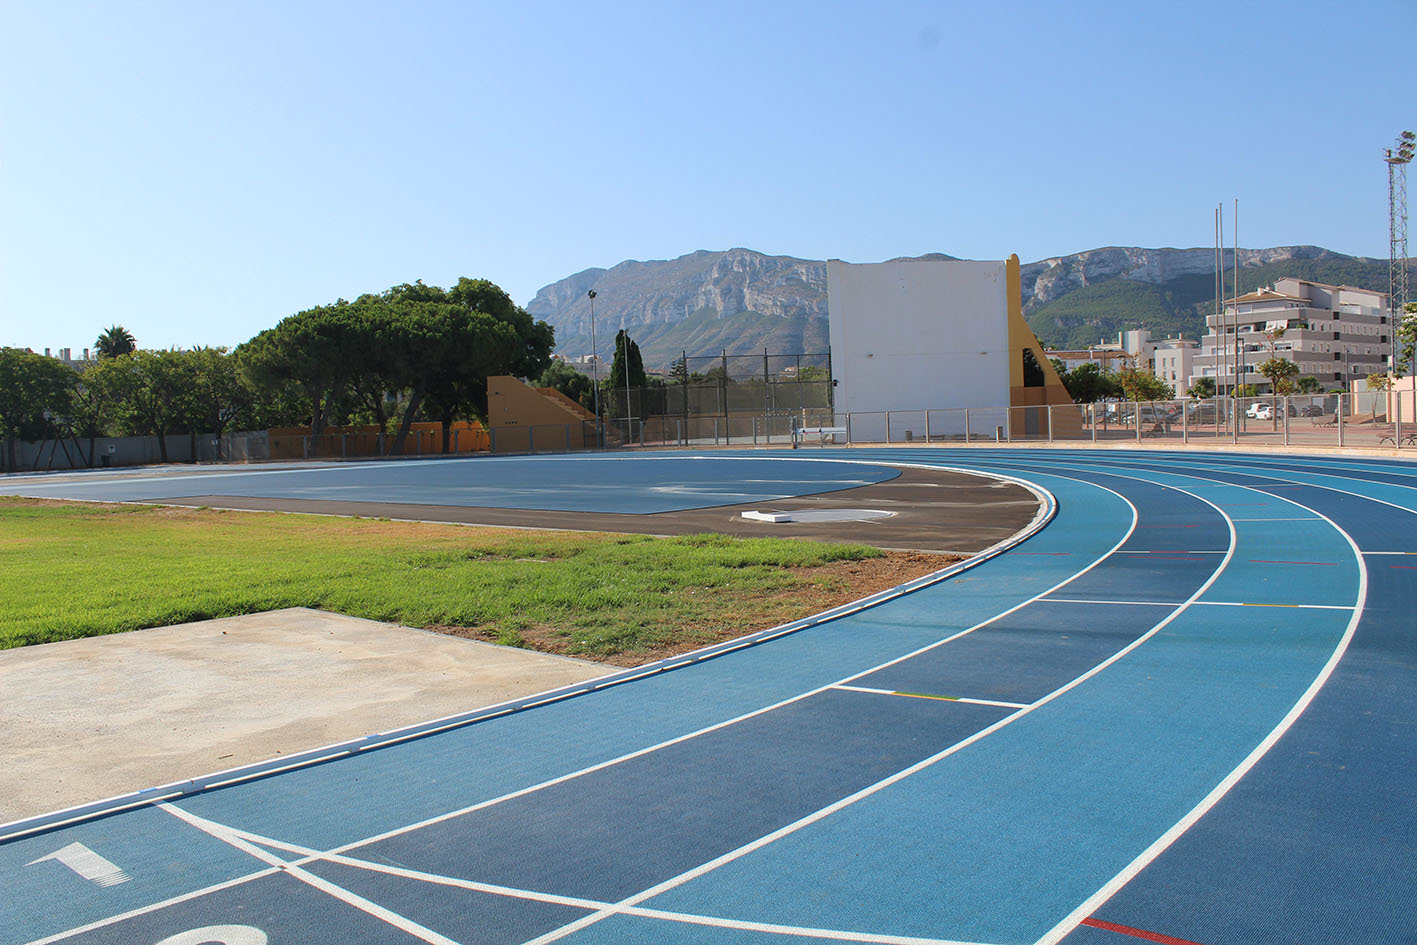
(114,341)
(33,389)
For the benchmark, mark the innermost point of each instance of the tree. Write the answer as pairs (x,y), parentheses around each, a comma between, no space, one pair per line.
(32,389)
(1379,383)
(217,395)
(1089,383)
(1203,388)
(1138,384)
(627,372)
(561,377)
(1308,384)
(150,390)
(1406,331)
(1278,370)
(115,341)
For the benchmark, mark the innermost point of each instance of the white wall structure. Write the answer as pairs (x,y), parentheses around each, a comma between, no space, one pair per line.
(907,335)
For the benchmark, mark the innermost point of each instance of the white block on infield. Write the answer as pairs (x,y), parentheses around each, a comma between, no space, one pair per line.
(768,516)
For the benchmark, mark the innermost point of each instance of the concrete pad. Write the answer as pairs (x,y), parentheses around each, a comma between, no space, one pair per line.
(89,719)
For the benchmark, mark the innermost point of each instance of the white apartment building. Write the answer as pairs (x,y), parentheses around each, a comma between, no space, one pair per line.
(1336,334)
(1170,359)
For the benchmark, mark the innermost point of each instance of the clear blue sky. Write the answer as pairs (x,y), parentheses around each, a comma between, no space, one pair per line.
(196,171)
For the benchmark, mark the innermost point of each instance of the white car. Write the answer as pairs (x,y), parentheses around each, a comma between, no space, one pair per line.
(1259,411)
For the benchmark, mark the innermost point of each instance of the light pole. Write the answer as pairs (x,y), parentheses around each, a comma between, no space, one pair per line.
(595,372)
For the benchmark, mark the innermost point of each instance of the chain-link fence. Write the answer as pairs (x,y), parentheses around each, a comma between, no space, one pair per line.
(1379,419)
(726,386)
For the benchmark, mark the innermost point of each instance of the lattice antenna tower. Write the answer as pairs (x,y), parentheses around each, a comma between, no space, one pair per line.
(1397,158)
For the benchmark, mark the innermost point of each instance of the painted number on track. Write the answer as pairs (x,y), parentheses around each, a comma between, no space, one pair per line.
(218,935)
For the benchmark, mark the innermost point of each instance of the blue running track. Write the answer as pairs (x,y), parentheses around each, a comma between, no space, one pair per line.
(1182,710)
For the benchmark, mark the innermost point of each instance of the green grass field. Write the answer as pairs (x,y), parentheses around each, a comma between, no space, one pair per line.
(78,570)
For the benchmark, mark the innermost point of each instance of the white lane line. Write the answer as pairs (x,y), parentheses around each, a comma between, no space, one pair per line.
(228,836)
(732,855)
(311,856)
(154,907)
(1390,553)
(1241,603)
(1306,518)
(771,928)
(1128,603)
(926,695)
(1174,553)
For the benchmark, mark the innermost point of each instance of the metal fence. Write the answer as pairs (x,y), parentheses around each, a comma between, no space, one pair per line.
(726,385)
(1372,419)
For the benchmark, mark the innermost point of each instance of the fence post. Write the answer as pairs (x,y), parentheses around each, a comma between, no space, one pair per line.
(1092,419)
(966,426)
(1286,421)
(755,419)
(1048,415)
(927,426)
(1185,434)
(848,429)
(1338,419)
(1396,398)
(888,427)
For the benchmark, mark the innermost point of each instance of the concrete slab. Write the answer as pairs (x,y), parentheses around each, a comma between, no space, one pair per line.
(93,718)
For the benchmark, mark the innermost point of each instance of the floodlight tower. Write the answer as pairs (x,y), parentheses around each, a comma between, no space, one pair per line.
(1397,158)
(595,373)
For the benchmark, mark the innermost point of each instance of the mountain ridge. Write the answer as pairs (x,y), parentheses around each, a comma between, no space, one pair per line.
(741,301)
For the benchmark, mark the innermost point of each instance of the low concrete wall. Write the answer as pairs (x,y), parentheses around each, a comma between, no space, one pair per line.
(140,450)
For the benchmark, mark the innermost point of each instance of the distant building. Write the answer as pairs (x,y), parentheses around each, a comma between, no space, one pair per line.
(1169,359)
(1336,334)
(936,334)
(64,357)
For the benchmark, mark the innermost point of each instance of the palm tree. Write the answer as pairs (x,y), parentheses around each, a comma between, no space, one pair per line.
(114,341)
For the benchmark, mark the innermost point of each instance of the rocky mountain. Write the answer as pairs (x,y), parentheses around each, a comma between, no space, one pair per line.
(744,301)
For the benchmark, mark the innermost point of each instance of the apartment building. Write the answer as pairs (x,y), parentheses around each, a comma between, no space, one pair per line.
(1336,334)
(1169,359)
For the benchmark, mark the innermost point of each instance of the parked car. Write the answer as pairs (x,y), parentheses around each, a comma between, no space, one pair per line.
(1259,411)
(1206,412)
(1312,410)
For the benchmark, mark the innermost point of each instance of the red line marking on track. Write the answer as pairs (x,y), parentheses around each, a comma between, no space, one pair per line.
(1405,567)
(1051,553)
(1138,933)
(1327,564)
(1168,526)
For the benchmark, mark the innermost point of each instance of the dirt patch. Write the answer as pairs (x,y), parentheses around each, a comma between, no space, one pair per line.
(820,588)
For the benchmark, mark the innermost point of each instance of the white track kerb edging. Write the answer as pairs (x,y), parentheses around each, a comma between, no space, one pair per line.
(1048,508)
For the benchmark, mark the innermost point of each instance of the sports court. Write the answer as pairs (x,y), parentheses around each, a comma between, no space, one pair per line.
(1176,708)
